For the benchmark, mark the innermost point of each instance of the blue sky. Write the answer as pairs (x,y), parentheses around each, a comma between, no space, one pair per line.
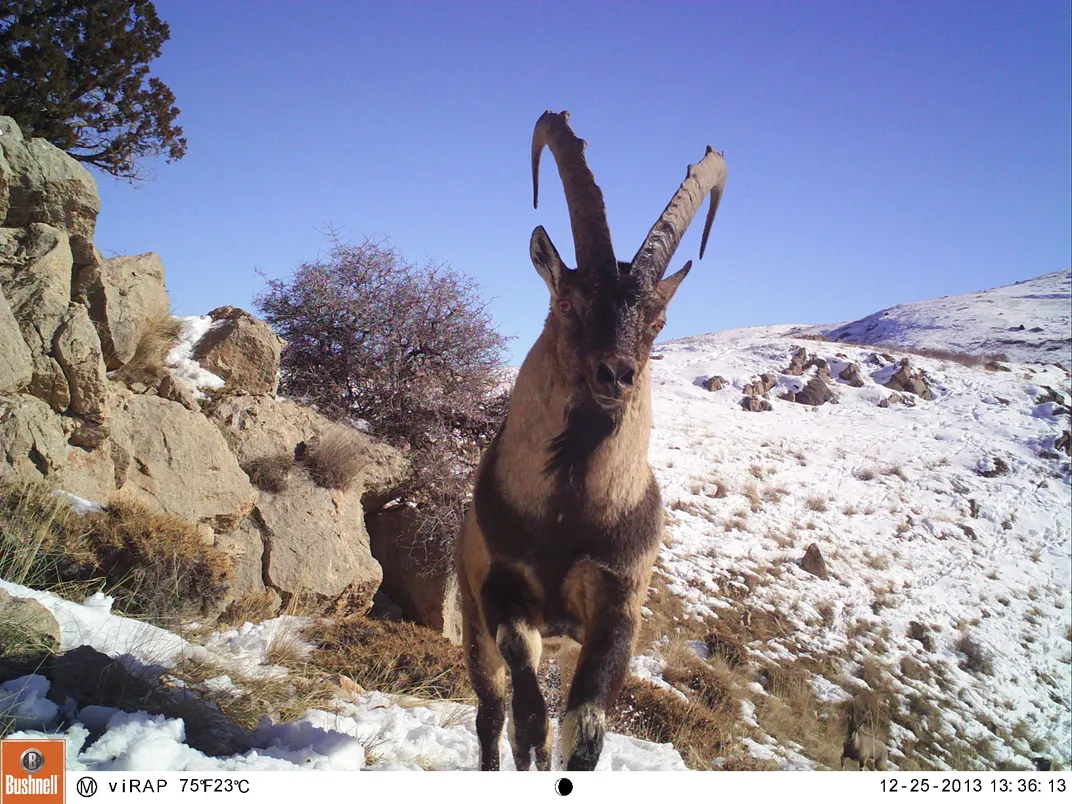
(878,152)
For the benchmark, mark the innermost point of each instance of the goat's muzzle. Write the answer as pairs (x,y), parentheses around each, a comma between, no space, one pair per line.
(612,380)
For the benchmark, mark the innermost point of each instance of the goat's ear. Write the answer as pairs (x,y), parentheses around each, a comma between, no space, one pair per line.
(545,257)
(668,287)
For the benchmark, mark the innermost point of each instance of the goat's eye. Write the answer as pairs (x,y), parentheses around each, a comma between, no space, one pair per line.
(564,305)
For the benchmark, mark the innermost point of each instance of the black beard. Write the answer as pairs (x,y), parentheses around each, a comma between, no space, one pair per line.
(587,426)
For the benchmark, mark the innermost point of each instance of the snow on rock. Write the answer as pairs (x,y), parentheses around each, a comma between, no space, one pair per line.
(180,359)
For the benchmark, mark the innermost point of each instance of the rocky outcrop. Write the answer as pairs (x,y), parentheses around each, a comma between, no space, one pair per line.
(16,364)
(78,351)
(851,375)
(69,318)
(41,184)
(131,295)
(315,543)
(815,392)
(169,457)
(259,428)
(35,276)
(33,443)
(713,383)
(242,350)
(760,386)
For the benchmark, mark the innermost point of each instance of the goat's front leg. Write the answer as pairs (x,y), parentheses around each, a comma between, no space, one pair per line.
(510,605)
(601,671)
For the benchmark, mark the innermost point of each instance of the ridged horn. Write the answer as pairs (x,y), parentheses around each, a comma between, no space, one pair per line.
(706,176)
(588,213)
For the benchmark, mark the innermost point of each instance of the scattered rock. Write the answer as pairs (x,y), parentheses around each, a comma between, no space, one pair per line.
(992,467)
(755,404)
(892,399)
(973,508)
(713,383)
(814,393)
(242,350)
(1064,443)
(993,365)
(910,381)
(761,386)
(172,389)
(917,632)
(1042,763)
(814,562)
(797,363)
(851,375)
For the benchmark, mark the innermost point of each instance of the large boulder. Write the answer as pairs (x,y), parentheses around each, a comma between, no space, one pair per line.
(174,458)
(39,183)
(242,350)
(131,295)
(16,363)
(33,444)
(35,276)
(426,595)
(315,542)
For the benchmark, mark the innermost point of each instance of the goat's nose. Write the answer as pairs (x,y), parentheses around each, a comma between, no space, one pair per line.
(613,376)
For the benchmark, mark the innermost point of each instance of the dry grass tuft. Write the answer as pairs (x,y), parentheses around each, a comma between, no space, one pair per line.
(270,472)
(336,460)
(817,504)
(147,365)
(647,713)
(399,658)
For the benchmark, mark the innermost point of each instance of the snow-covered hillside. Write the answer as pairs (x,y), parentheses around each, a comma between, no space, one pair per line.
(953,513)
(1028,322)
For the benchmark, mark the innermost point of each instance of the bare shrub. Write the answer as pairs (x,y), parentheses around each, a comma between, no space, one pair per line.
(147,365)
(410,349)
(864,474)
(974,658)
(817,504)
(270,473)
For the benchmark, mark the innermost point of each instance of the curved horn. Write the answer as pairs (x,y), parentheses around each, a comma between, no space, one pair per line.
(706,176)
(588,214)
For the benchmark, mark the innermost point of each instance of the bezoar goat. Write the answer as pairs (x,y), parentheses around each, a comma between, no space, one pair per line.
(862,746)
(566,518)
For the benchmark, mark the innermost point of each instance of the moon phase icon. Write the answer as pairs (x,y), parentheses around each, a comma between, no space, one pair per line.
(563,787)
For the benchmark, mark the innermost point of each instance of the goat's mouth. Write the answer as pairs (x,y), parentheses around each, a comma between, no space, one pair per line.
(608,403)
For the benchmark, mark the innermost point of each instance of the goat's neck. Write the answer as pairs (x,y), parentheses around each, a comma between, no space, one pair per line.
(618,474)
